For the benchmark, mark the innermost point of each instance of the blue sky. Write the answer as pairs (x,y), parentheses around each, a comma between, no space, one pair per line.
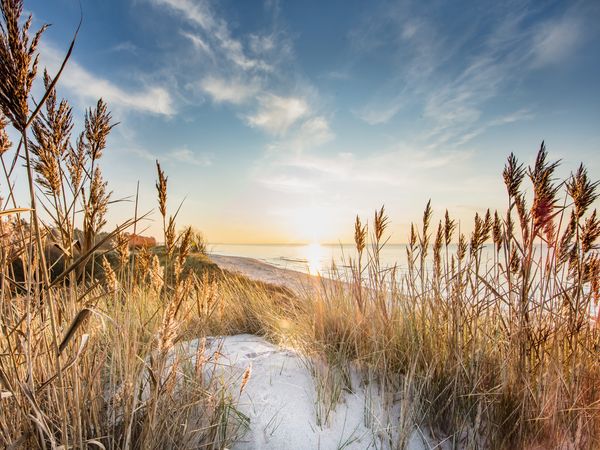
(278,121)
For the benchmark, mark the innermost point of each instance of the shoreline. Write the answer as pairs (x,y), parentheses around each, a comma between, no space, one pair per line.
(268,273)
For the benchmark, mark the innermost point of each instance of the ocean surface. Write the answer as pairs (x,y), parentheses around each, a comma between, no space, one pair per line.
(312,258)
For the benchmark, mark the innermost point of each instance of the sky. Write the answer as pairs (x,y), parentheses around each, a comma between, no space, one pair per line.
(280,121)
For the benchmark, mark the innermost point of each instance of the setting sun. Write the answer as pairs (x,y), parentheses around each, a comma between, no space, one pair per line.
(314,257)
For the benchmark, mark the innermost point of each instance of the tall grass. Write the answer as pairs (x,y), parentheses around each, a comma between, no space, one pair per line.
(87,328)
(493,344)
(501,340)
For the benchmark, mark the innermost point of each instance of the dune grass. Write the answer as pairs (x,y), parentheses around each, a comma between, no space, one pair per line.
(492,345)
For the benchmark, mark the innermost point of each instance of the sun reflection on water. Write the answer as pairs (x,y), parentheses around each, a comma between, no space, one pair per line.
(313,254)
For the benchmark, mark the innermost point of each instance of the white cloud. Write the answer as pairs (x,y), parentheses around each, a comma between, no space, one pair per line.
(198,42)
(316,131)
(400,168)
(453,82)
(88,88)
(200,14)
(241,72)
(195,11)
(379,113)
(141,152)
(181,155)
(555,41)
(517,116)
(262,44)
(185,155)
(291,184)
(231,91)
(277,114)
(126,46)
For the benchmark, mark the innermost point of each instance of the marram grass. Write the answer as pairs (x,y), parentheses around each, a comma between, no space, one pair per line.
(494,344)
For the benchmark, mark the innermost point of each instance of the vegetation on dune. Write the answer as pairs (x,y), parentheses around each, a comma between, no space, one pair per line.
(493,345)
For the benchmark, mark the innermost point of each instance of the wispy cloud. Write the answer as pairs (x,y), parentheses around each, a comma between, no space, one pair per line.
(88,88)
(453,82)
(242,71)
(198,42)
(215,29)
(289,184)
(185,155)
(233,91)
(556,40)
(380,112)
(400,167)
(127,46)
(277,114)
(182,155)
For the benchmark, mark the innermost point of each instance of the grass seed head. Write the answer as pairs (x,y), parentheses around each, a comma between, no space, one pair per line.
(18,62)
(360,235)
(161,188)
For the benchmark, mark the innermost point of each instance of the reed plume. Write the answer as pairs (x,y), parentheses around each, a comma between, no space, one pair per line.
(360,235)
(544,191)
(161,188)
(582,190)
(76,163)
(97,128)
(246,377)
(51,131)
(18,63)
(380,224)
(122,249)
(437,251)
(449,227)
(513,175)
(4,140)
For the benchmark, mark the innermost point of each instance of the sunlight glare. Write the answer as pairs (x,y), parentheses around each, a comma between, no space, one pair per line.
(313,254)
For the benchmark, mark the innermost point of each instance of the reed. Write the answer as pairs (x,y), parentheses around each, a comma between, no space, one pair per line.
(492,344)
(86,343)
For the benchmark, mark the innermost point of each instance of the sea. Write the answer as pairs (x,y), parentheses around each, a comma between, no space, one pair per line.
(313,258)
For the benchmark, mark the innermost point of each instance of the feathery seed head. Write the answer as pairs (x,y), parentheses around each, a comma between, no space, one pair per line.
(4,141)
(590,231)
(76,160)
(109,275)
(544,191)
(513,175)
(582,190)
(437,249)
(497,231)
(161,187)
(18,62)
(449,227)
(381,223)
(97,127)
(122,248)
(360,235)
(246,377)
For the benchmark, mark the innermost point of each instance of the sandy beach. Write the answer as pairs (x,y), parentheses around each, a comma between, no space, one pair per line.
(261,271)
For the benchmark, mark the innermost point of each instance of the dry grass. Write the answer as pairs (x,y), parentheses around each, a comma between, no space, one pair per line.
(500,340)
(86,345)
(491,344)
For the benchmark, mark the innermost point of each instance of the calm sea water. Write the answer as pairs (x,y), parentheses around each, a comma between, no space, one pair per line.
(317,259)
(311,258)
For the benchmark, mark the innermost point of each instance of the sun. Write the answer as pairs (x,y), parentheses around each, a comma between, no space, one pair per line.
(312,224)
(314,256)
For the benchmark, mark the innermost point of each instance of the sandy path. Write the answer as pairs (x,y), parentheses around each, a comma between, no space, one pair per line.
(281,400)
(283,396)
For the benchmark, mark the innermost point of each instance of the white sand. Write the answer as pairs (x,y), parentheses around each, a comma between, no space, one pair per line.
(261,271)
(280,400)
